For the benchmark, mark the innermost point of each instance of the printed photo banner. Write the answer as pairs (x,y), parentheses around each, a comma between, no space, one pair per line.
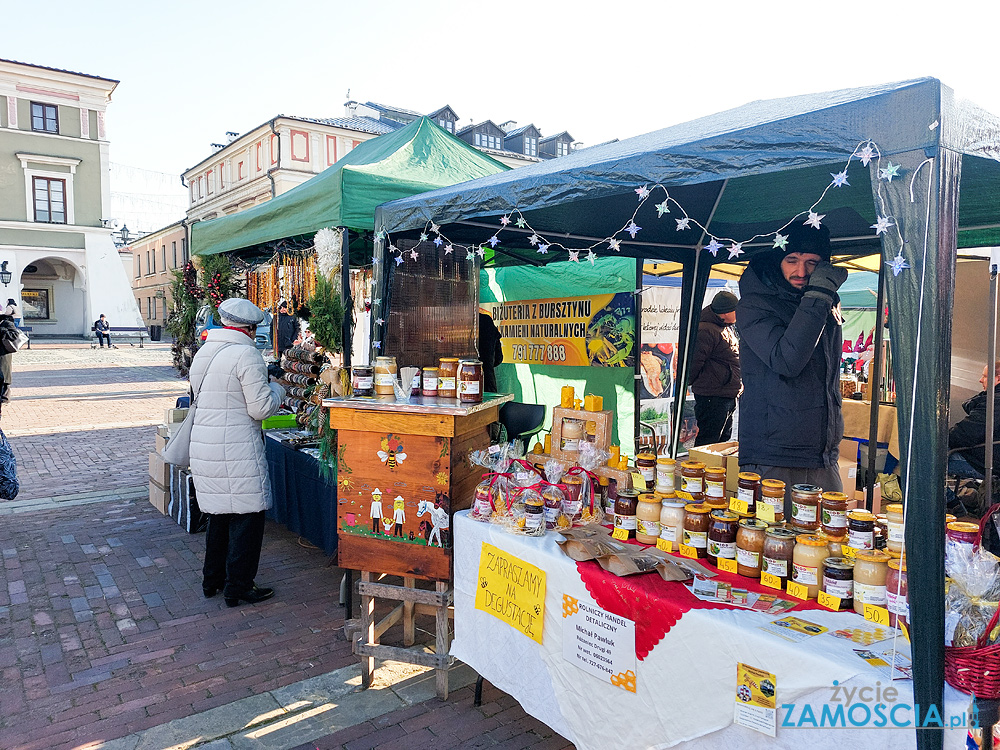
(594,331)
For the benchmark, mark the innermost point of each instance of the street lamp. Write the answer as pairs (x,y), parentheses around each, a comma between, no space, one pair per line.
(5,275)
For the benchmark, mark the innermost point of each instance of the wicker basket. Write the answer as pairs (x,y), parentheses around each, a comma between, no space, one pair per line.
(976,669)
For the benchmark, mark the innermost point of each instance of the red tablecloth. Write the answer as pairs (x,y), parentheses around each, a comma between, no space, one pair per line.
(656,605)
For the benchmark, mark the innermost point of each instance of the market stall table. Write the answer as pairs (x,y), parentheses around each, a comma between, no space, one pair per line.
(304,501)
(686,685)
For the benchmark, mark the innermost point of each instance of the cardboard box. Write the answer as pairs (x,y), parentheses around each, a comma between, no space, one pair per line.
(159,497)
(166,430)
(161,442)
(712,455)
(183,505)
(175,416)
(159,470)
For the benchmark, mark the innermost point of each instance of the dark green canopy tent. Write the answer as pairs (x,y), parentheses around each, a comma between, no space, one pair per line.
(742,175)
(413,159)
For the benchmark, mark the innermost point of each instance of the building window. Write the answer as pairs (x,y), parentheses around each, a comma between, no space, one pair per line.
(50,200)
(163,256)
(479,139)
(184,250)
(209,183)
(147,262)
(239,171)
(562,148)
(44,118)
(222,177)
(149,308)
(173,247)
(138,265)
(35,304)
(531,146)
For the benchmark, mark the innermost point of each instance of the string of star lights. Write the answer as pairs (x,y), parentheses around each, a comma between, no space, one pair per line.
(865,152)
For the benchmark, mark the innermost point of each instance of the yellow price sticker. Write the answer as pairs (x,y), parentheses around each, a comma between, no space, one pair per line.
(664,544)
(684,495)
(849,552)
(770,580)
(876,614)
(828,600)
(621,534)
(688,551)
(765,512)
(738,506)
(797,590)
(638,481)
(727,565)
(906,630)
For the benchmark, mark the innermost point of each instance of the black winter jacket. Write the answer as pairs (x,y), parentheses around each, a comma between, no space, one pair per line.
(716,367)
(972,431)
(790,349)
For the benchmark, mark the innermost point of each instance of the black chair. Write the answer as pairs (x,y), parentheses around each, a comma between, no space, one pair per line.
(521,421)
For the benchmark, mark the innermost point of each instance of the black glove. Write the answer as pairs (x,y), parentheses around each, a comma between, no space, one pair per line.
(825,280)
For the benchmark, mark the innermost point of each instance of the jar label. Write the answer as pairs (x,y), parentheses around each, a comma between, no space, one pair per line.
(533,520)
(747,559)
(363,383)
(468,386)
(648,473)
(415,383)
(861,539)
(840,589)
(897,604)
(696,539)
(835,519)
(715,489)
(483,506)
(665,475)
(625,522)
(896,532)
(430,383)
(776,567)
(446,384)
(384,378)
(525,478)
(692,484)
(805,574)
(571,444)
(722,549)
(670,533)
(647,528)
(746,495)
(869,594)
(777,503)
(572,508)
(803,513)
(551,514)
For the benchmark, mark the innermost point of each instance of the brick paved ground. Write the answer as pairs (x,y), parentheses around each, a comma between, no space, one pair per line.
(103,628)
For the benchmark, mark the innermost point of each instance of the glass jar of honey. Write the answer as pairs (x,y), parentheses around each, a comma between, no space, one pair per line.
(665,474)
(896,593)
(894,527)
(470,381)
(779,546)
(693,479)
(385,376)
(715,483)
(363,381)
(834,513)
(861,529)
(805,507)
(647,515)
(672,519)
(838,580)
(722,529)
(625,507)
(646,464)
(748,490)
(448,377)
(807,560)
(696,523)
(772,492)
(870,571)
(750,546)
(429,387)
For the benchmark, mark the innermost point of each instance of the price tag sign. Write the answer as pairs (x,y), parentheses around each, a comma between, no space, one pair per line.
(688,551)
(681,494)
(770,580)
(797,590)
(828,600)
(906,630)
(638,481)
(664,544)
(727,565)
(849,552)
(621,534)
(765,512)
(876,614)
(738,506)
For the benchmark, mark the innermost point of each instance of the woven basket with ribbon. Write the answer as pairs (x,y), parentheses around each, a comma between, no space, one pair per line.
(976,669)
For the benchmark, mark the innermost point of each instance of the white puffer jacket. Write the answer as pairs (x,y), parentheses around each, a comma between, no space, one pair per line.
(227,447)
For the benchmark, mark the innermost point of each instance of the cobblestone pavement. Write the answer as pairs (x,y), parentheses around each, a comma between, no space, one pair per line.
(105,637)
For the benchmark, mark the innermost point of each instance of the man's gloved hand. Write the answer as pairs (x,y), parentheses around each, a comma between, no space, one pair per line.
(825,280)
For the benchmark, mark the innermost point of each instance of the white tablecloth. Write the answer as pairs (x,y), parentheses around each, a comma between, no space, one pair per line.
(685,687)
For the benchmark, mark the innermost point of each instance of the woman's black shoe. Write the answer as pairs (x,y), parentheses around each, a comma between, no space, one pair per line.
(254,595)
(209,591)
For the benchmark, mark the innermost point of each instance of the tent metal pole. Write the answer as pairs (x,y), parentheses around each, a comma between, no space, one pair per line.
(345,295)
(991,358)
(637,375)
(875,388)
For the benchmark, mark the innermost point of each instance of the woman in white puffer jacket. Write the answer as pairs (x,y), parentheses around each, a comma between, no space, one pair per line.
(230,384)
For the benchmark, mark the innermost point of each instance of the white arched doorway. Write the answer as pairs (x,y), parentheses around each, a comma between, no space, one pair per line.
(53,298)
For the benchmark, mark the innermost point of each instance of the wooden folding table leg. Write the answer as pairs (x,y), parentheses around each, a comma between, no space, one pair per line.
(443,643)
(367,632)
(409,632)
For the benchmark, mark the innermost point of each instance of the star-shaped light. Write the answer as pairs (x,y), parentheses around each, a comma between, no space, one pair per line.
(632,228)
(414,254)
(889,172)
(380,234)
(435,228)
(574,255)
(840,179)
(399,260)
(534,239)
(780,241)
(882,224)
(898,264)
(592,257)
(438,242)
(423,236)
(542,249)
(866,154)
(379,321)
(683,224)
(494,241)
(714,247)
(481,251)
(814,219)
(470,254)
(449,249)
(375,259)
(642,192)
(615,245)
(377,344)
(520,222)
(505,220)
(393,248)
(662,208)
(735,250)
(377,301)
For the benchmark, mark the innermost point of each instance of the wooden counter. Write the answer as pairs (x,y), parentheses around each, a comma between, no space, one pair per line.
(402,472)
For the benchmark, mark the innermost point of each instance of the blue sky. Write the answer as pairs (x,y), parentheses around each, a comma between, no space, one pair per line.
(190,71)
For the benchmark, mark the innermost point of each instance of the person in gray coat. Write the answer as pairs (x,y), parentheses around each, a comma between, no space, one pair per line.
(790,328)
(230,386)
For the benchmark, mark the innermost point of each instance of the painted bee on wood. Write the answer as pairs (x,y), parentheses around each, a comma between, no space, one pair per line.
(391,458)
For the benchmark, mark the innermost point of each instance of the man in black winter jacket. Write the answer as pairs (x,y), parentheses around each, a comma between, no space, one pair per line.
(790,347)
(971,431)
(715,372)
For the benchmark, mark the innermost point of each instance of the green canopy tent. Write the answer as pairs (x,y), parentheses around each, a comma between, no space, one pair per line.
(907,151)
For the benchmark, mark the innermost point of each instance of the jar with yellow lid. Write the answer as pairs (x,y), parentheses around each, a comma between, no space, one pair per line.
(772,492)
(693,479)
(385,376)
(896,593)
(448,377)
(807,560)
(672,519)
(696,523)
(750,547)
(833,510)
(665,474)
(894,527)
(748,490)
(715,484)
(861,529)
(722,529)
(870,571)
(646,464)
(647,515)
(806,500)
